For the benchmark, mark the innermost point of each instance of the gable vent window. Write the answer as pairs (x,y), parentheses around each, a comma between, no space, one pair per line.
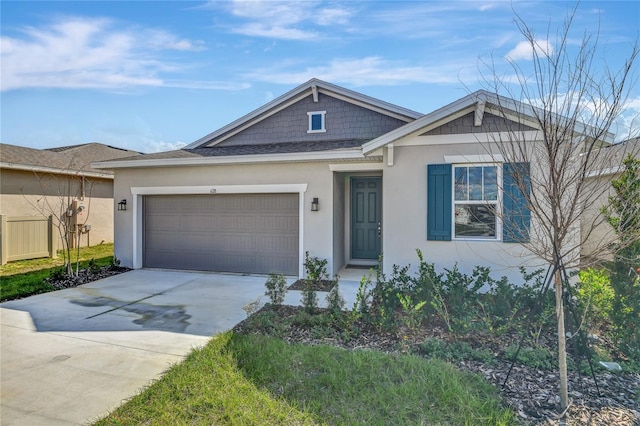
(316,122)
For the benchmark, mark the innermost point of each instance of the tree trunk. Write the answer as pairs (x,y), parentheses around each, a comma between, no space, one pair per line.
(562,343)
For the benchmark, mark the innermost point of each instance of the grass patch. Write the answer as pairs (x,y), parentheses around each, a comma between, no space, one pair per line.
(86,253)
(252,379)
(26,277)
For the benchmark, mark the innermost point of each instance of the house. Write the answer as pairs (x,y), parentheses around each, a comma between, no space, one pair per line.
(343,176)
(596,233)
(39,182)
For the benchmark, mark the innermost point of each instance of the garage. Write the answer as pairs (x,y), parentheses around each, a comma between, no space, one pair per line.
(243,233)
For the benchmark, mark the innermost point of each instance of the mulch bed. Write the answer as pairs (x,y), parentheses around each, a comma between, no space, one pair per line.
(530,392)
(322,285)
(85,276)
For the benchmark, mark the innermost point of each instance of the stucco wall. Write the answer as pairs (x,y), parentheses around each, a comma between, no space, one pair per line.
(24,193)
(405,217)
(317,226)
(596,232)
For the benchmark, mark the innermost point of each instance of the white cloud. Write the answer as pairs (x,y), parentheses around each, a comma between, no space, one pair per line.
(257,29)
(286,20)
(372,70)
(628,123)
(333,16)
(76,52)
(525,49)
(151,146)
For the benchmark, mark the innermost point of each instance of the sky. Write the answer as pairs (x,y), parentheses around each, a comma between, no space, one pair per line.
(157,75)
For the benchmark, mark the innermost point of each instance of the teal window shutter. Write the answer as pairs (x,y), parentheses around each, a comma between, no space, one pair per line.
(515,209)
(439,202)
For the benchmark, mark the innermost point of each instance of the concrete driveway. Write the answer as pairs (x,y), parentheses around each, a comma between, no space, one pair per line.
(71,356)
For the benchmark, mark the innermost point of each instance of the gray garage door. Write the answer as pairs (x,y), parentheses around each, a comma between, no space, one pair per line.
(248,233)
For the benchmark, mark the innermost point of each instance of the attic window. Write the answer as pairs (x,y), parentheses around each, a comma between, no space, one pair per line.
(316,122)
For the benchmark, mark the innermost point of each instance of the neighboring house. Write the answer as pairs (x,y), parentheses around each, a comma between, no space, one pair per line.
(36,183)
(336,173)
(597,233)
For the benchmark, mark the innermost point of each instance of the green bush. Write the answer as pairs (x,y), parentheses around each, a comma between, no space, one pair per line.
(276,286)
(93,266)
(595,294)
(535,357)
(58,274)
(335,301)
(434,347)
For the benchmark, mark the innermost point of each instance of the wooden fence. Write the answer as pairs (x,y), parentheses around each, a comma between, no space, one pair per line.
(26,237)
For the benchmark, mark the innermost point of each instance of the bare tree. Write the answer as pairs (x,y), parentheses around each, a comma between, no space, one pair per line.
(570,100)
(66,197)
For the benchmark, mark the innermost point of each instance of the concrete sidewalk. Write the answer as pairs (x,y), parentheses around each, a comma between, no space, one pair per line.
(71,356)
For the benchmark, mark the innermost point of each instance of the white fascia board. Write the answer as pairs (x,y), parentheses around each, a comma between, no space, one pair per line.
(356,167)
(472,138)
(605,172)
(352,154)
(482,158)
(219,189)
(53,170)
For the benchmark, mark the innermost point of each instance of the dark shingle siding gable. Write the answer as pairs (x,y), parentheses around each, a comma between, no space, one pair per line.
(343,121)
(464,124)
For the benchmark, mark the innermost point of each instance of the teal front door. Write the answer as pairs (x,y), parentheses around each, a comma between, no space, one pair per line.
(366,217)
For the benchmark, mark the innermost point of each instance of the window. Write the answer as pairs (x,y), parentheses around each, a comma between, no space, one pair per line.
(316,122)
(476,201)
(463,202)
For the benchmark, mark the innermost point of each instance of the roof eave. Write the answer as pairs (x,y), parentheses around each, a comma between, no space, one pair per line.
(466,102)
(53,170)
(346,154)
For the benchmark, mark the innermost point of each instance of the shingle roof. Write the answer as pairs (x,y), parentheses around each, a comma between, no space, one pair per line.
(68,158)
(271,148)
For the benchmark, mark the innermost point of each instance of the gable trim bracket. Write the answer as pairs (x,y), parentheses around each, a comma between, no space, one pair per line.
(479,113)
(314,92)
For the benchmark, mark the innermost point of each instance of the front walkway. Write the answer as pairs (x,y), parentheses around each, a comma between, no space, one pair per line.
(71,356)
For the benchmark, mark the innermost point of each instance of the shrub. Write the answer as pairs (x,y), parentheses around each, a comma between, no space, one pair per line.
(622,214)
(362,305)
(93,266)
(412,311)
(535,357)
(316,269)
(595,294)
(335,302)
(384,300)
(276,286)
(309,298)
(434,347)
(456,297)
(58,274)
(114,264)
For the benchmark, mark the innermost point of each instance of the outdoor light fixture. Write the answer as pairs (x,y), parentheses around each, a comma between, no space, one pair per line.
(314,205)
(122,205)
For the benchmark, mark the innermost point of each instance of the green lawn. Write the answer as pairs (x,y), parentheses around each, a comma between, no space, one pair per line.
(258,380)
(24,278)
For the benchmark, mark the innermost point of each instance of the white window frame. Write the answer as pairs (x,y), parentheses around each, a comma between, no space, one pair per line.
(497,202)
(323,128)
